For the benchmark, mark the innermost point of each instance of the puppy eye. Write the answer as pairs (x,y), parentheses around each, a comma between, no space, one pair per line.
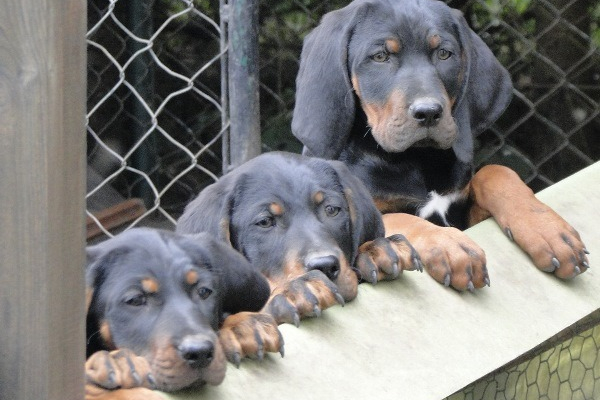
(136,300)
(204,292)
(444,54)
(266,222)
(332,211)
(382,56)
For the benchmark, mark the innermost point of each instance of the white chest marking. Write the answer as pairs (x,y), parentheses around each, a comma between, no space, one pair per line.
(438,204)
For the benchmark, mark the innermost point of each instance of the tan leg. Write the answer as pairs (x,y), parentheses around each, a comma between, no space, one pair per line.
(553,244)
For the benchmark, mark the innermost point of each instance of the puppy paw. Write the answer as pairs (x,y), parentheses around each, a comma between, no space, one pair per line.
(553,244)
(387,258)
(303,297)
(249,334)
(118,369)
(451,257)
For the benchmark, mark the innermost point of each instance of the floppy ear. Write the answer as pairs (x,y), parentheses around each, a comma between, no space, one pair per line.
(365,218)
(96,258)
(486,90)
(99,258)
(242,287)
(210,211)
(325,105)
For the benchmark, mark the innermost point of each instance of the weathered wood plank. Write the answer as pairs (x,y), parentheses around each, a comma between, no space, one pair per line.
(42,189)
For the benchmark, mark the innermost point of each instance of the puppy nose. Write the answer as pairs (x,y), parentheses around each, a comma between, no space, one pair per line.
(198,353)
(329,265)
(427,113)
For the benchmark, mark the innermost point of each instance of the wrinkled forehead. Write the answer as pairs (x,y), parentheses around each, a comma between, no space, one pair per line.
(298,184)
(409,21)
(161,262)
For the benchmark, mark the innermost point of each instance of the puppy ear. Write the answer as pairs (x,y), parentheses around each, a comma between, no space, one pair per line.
(365,218)
(211,210)
(325,105)
(486,89)
(243,288)
(94,273)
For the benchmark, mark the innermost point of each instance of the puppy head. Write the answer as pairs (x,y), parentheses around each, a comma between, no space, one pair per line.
(161,295)
(287,214)
(415,68)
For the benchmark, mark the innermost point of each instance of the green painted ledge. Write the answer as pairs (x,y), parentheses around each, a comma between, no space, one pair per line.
(413,339)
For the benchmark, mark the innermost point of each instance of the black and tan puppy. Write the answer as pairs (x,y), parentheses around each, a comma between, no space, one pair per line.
(397,90)
(156,302)
(305,223)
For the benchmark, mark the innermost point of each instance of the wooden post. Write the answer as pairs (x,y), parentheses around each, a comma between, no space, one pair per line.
(42,190)
(244,114)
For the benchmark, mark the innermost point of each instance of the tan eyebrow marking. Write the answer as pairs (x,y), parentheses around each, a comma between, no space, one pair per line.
(434,41)
(276,209)
(392,46)
(318,197)
(150,285)
(191,277)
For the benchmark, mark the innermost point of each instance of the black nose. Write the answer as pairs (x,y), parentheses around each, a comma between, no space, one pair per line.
(198,353)
(427,113)
(329,265)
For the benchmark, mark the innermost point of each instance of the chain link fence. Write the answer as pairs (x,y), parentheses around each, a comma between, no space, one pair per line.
(155,120)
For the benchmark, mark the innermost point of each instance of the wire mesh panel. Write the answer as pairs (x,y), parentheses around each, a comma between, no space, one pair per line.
(566,367)
(155,120)
(551,128)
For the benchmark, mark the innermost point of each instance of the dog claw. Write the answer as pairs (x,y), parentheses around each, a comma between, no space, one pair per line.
(296,320)
(236,359)
(112,378)
(340,299)
(447,280)
(586,251)
(508,233)
(395,270)
(374,277)
(136,377)
(555,262)
(586,264)
(418,265)
(577,270)
(470,286)
(151,380)
(316,311)
(282,351)
(487,281)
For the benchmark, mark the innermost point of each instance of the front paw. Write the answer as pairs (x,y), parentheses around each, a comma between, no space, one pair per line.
(553,245)
(250,334)
(386,258)
(303,297)
(452,258)
(118,369)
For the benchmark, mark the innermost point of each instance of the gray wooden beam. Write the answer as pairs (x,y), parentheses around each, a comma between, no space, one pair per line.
(42,189)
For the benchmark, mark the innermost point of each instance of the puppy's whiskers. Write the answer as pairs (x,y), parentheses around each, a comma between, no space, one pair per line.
(89,339)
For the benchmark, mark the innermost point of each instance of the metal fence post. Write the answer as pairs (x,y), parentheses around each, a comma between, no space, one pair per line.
(243,81)
(141,76)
